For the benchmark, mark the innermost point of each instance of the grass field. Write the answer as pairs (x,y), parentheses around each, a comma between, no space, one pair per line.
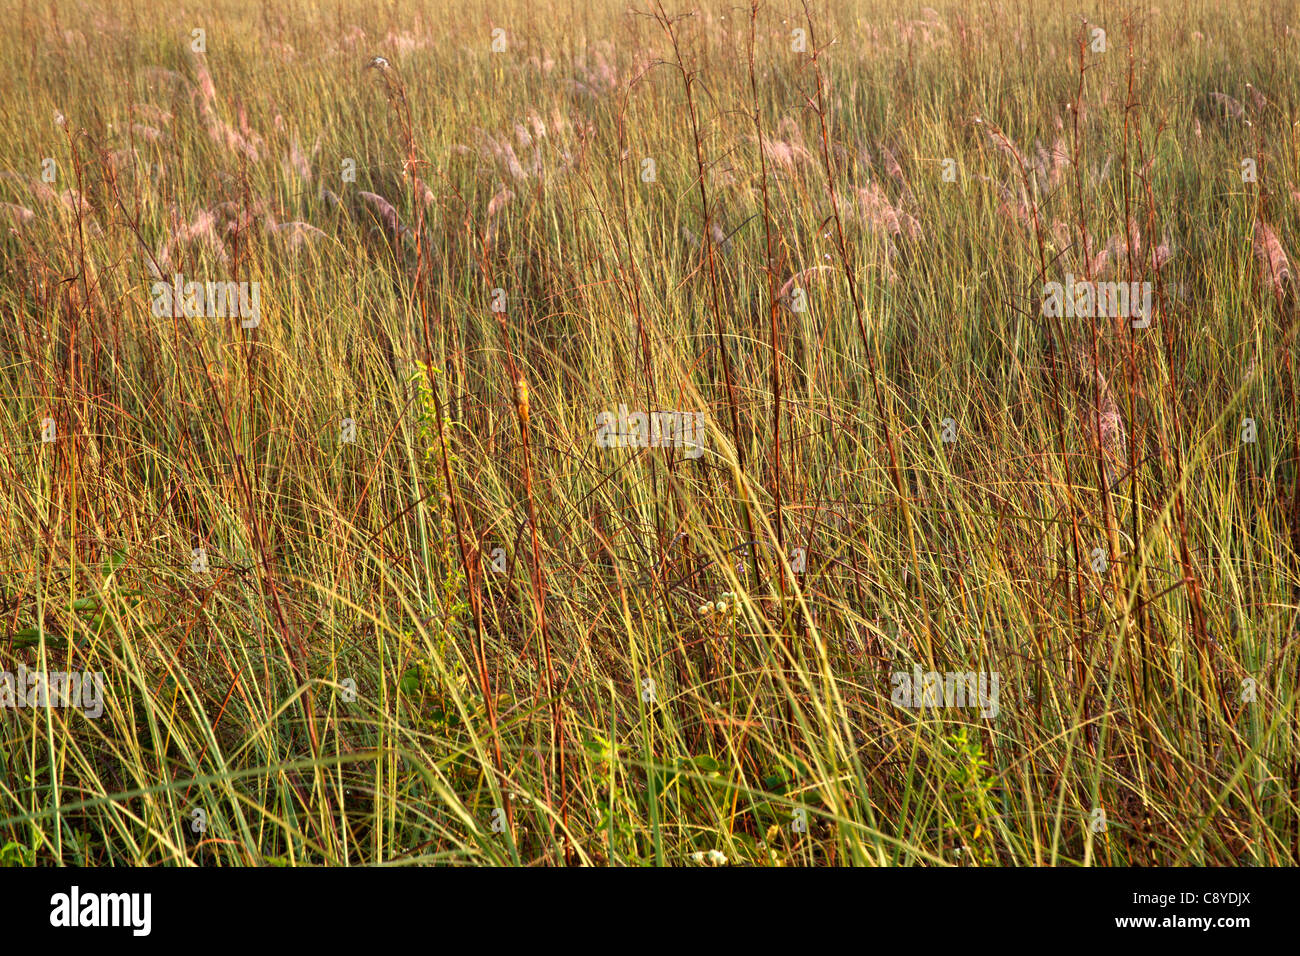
(649,435)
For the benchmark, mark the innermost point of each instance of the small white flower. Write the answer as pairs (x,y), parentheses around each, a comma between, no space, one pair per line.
(716,858)
(60,119)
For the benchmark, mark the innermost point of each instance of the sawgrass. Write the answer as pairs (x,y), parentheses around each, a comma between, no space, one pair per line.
(475,636)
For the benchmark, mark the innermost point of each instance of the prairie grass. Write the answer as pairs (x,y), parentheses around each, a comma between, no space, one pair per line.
(474,634)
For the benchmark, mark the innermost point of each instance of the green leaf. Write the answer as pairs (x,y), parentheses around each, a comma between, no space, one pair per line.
(410,682)
(706,763)
(31,637)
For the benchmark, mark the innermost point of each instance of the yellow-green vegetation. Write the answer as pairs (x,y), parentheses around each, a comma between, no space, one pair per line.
(368,582)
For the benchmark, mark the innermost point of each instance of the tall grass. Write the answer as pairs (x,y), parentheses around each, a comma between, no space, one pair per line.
(476,636)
